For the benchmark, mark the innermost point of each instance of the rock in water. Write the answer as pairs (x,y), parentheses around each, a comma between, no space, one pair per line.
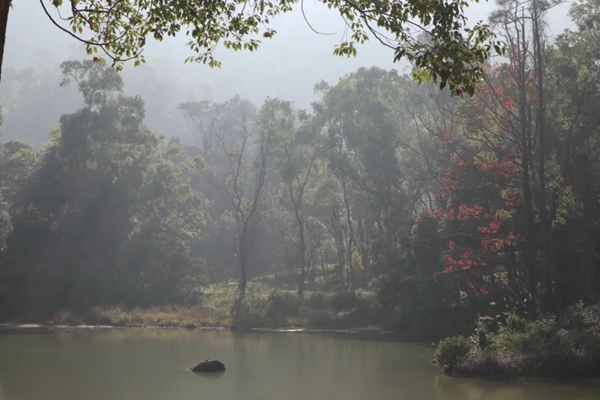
(563,335)
(209,366)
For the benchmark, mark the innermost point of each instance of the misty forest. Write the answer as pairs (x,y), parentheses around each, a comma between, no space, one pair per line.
(388,204)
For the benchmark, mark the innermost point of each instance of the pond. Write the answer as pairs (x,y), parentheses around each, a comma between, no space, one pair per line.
(150,365)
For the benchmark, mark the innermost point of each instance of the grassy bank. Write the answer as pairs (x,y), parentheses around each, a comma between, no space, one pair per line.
(546,349)
(272,303)
(262,307)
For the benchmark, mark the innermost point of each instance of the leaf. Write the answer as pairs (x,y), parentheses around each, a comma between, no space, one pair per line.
(122,25)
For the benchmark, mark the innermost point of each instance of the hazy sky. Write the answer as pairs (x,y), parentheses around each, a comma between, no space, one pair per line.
(287,66)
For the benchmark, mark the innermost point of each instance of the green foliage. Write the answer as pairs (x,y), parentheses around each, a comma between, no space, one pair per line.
(532,337)
(531,349)
(343,301)
(582,316)
(516,323)
(281,306)
(450,351)
(444,49)
(539,336)
(319,300)
(95,82)
(102,214)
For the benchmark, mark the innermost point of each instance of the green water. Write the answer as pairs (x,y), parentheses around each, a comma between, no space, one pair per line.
(150,365)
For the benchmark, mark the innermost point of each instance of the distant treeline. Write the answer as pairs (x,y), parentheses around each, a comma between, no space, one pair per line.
(440,205)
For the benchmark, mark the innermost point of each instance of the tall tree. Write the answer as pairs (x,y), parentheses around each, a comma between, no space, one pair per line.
(297,150)
(237,166)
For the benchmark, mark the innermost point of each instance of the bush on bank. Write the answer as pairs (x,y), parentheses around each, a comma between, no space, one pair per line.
(547,348)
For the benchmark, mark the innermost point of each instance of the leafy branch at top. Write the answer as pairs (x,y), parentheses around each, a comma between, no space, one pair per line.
(431,34)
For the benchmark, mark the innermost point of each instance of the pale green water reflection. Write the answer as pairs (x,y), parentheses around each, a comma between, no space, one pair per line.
(150,365)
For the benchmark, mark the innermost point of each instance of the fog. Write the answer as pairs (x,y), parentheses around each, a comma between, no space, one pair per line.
(287,67)
(291,188)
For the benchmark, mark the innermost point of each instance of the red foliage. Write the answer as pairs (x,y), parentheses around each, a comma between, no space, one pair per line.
(468,260)
(491,121)
(482,291)
(503,169)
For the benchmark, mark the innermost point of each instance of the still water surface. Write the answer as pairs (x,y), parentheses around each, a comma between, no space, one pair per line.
(150,365)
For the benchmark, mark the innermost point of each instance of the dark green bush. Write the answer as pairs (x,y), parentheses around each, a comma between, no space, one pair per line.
(516,323)
(535,339)
(343,301)
(367,310)
(282,304)
(450,351)
(319,301)
(528,349)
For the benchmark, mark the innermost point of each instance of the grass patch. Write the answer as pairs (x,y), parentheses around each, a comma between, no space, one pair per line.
(262,307)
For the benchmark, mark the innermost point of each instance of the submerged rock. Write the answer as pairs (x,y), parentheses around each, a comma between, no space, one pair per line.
(209,366)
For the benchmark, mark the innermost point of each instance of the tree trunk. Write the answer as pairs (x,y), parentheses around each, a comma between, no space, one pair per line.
(350,237)
(312,261)
(362,240)
(243,281)
(587,227)
(530,245)
(4,10)
(340,245)
(526,162)
(547,254)
(301,253)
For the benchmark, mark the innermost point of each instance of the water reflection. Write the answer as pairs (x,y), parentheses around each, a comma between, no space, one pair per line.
(150,364)
(472,389)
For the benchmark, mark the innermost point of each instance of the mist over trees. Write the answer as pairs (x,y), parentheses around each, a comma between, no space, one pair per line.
(435,208)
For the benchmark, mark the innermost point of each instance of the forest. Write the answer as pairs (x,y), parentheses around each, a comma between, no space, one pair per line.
(388,204)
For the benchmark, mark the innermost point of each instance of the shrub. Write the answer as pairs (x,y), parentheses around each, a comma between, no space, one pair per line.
(533,340)
(319,301)
(450,351)
(281,305)
(528,349)
(581,316)
(343,301)
(521,335)
(516,323)
(498,364)
(398,319)
(367,307)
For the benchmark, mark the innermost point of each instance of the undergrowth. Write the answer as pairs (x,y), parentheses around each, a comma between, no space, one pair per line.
(261,307)
(518,348)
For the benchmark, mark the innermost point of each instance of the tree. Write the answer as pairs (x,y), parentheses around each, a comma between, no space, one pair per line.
(364,152)
(103,213)
(297,151)
(452,54)
(95,82)
(237,164)
(572,103)
(510,94)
